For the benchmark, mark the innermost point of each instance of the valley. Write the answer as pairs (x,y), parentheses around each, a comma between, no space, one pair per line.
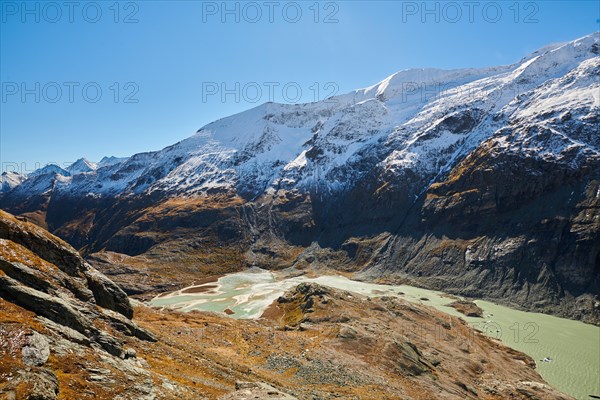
(433,236)
(490,190)
(309,315)
(69,332)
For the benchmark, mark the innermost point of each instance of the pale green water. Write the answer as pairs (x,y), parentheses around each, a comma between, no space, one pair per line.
(574,347)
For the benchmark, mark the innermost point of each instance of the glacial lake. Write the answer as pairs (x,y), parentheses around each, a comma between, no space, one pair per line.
(572,346)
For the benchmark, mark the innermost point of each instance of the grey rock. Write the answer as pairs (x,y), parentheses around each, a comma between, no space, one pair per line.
(109,343)
(410,360)
(122,324)
(42,383)
(24,274)
(107,293)
(347,332)
(50,248)
(65,332)
(37,350)
(129,353)
(51,307)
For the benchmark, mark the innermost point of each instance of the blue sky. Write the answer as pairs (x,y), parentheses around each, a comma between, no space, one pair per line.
(105,78)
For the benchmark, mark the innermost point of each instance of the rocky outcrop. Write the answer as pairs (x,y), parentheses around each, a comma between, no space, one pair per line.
(51,307)
(467,308)
(42,274)
(81,278)
(107,294)
(409,359)
(54,304)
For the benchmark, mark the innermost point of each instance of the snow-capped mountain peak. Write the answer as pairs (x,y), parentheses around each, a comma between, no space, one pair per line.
(108,161)
(81,166)
(10,180)
(50,169)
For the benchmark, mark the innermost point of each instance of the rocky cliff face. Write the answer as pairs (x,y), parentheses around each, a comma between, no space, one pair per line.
(476,181)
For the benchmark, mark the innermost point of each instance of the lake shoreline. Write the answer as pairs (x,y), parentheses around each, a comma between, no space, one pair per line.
(572,346)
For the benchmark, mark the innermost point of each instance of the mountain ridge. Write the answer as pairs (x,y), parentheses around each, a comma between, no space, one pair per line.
(405,179)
